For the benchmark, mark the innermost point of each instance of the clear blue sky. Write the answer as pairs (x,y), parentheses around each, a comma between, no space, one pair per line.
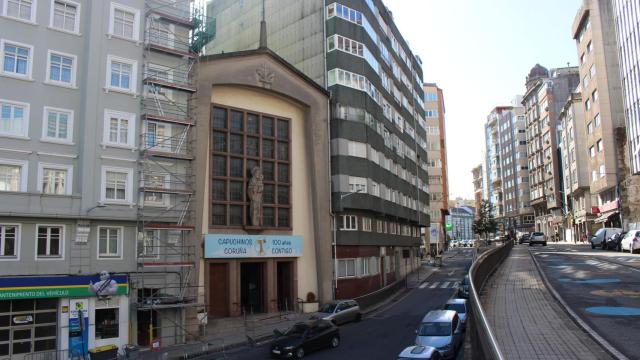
(479,52)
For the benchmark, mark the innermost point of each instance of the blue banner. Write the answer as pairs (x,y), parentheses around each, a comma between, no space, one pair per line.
(220,246)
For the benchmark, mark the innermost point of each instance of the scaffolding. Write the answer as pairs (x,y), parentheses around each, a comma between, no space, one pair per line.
(166,281)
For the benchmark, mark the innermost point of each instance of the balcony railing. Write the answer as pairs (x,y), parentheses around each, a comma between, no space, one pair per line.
(172,78)
(167,42)
(170,145)
(172,111)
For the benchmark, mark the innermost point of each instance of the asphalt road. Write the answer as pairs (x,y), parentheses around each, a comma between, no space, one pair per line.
(605,294)
(386,332)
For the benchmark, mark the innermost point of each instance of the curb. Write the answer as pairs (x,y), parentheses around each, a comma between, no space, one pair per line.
(581,323)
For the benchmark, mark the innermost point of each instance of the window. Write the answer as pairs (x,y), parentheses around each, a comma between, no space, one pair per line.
(599,145)
(590,126)
(348,222)
(357,184)
(50,241)
(594,95)
(119,128)
(9,240)
(117,184)
(65,15)
(159,182)
(58,125)
(363,267)
(109,242)
(346,268)
(603,171)
(124,22)
(592,71)
(61,69)
(20,9)
(121,74)
(149,246)
(14,118)
(590,47)
(594,176)
(107,323)
(379,226)
(13,175)
(366,224)
(16,59)
(596,120)
(587,105)
(592,151)
(357,149)
(55,179)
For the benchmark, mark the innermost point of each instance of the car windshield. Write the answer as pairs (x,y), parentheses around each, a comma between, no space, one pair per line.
(599,232)
(459,308)
(630,234)
(435,329)
(297,330)
(328,308)
(537,234)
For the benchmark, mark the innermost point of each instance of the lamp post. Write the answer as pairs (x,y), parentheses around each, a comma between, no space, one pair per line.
(334,243)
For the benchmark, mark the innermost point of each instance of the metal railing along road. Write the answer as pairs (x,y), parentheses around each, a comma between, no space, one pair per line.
(483,341)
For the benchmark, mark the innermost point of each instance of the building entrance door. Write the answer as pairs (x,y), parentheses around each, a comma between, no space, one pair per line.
(285,286)
(252,287)
(219,290)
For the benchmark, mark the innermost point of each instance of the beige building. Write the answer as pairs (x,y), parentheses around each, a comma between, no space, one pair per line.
(594,32)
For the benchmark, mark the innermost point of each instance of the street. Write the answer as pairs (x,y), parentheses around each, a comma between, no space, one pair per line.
(384,333)
(599,289)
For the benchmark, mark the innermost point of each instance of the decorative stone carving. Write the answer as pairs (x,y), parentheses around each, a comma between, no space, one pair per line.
(264,76)
(256,188)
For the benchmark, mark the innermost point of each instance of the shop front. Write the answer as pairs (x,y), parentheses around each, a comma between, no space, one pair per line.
(250,274)
(67,315)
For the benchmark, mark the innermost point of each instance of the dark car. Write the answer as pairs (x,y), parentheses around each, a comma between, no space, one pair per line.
(463,288)
(614,241)
(524,238)
(305,337)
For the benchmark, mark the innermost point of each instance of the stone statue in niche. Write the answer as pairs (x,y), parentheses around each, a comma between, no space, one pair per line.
(256,188)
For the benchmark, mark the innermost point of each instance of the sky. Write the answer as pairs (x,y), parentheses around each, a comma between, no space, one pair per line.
(479,52)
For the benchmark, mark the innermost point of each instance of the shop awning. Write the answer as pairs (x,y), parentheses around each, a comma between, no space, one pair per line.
(605,216)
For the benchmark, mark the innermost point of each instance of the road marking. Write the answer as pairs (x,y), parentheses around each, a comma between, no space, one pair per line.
(434,285)
(444,286)
(455,285)
(424,285)
(451,273)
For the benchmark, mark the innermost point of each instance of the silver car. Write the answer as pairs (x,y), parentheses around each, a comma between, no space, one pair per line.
(340,311)
(441,329)
(419,352)
(460,306)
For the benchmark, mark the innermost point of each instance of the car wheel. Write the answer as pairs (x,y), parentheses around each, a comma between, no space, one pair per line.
(544,243)
(299,353)
(335,341)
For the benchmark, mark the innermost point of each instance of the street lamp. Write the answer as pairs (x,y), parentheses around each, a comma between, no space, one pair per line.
(335,247)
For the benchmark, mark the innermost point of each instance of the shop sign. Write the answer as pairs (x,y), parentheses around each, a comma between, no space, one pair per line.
(218,246)
(434,234)
(12,288)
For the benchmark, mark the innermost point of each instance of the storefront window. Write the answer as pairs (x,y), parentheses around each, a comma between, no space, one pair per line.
(107,323)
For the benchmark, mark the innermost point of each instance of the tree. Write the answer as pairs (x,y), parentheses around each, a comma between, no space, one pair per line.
(485,224)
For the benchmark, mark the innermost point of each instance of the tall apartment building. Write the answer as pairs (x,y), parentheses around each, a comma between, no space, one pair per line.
(478,175)
(461,220)
(626,16)
(508,168)
(546,94)
(437,161)
(74,75)
(594,33)
(575,165)
(378,148)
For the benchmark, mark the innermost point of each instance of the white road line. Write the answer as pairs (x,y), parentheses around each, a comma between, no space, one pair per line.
(444,286)
(424,285)
(434,285)
(455,285)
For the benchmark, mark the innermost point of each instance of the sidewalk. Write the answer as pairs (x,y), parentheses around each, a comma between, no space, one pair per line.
(527,321)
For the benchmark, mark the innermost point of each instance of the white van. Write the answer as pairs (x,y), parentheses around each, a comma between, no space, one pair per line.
(601,236)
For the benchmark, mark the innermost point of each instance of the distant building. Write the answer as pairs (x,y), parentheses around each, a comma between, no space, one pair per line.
(461,220)
(477,173)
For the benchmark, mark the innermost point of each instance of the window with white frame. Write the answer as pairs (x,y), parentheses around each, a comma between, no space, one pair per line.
(149,245)
(346,268)
(13,175)
(50,241)
(603,171)
(20,9)
(348,222)
(357,184)
(55,179)
(121,74)
(155,181)
(374,265)
(109,242)
(17,59)
(379,226)
(14,118)
(116,184)
(119,128)
(65,15)
(366,224)
(58,125)
(124,22)
(363,267)
(374,189)
(9,240)
(357,149)
(61,69)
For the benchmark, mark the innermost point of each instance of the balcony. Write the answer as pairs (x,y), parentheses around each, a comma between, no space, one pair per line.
(165,110)
(168,43)
(166,146)
(171,78)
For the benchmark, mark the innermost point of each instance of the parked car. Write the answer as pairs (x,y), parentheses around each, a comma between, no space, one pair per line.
(524,239)
(305,337)
(471,242)
(463,288)
(460,307)
(442,330)
(538,238)
(631,241)
(419,352)
(600,237)
(340,312)
(613,242)
(453,243)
